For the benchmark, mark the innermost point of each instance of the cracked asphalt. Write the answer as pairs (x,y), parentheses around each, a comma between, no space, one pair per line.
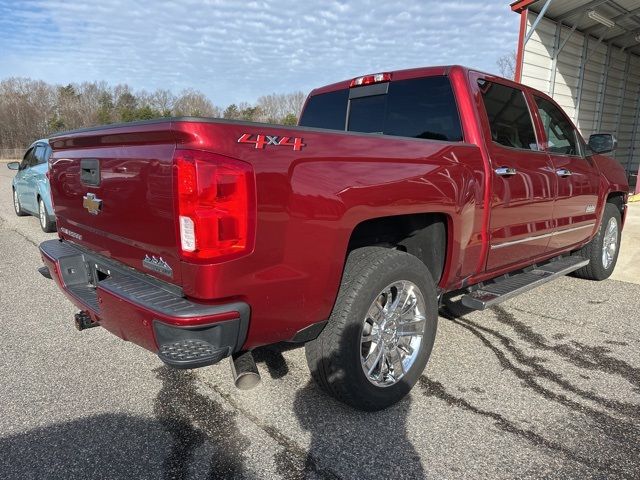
(546,385)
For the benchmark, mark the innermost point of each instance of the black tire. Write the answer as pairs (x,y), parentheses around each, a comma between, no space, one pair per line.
(593,250)
(16,205)
(334,357)
(44,219)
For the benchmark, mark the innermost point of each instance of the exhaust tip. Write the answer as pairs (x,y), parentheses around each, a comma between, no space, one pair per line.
(244,370)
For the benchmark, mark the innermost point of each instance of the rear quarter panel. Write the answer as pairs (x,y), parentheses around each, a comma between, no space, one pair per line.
(43,189)
(309,202)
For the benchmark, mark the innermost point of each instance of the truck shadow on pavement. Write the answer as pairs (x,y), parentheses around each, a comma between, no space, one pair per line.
(116,446)
(347,443)
(192,418)
(601,434)
(195,436)
(188,424)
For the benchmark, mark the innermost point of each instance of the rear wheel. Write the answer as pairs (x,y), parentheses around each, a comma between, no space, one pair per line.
(602,250)
(16,205)
(381,331)
(45,223)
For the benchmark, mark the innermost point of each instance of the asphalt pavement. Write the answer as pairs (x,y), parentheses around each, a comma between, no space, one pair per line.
(546,385)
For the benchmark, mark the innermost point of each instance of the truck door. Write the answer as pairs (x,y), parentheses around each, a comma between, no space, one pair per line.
(524,182)
(575,210)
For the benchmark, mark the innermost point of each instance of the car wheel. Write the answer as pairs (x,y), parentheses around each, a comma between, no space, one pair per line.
(602,250)
(381,331)
(16,205)
(45,223)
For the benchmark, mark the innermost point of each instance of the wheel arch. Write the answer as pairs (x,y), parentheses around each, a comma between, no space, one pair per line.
(619,199)
(46,198)
(424,235)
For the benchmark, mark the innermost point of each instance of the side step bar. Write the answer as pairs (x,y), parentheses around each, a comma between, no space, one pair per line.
(506,287)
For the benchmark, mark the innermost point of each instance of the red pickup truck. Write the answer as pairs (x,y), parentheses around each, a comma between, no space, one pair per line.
(201,239)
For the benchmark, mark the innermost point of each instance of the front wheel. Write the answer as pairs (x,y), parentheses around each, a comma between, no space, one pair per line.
(46,224)
(380,334)
(602,250)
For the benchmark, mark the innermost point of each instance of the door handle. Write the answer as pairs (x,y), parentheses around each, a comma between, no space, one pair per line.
(563,172)
(506,171)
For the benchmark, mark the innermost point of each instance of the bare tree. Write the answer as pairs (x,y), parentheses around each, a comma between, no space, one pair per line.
(26,107)
(276,107)
(193,103)
(31,109)
(163,101)
(507,65)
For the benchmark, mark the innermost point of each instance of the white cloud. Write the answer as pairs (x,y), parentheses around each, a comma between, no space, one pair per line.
(236,51)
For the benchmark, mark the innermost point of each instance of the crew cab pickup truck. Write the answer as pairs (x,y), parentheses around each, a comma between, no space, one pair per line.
(200,239)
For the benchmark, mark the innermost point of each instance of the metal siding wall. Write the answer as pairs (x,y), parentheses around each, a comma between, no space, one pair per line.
(609,91)
(536,63)
(631,117)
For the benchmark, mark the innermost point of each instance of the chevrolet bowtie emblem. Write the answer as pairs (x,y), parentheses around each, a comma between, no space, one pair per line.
(91,203)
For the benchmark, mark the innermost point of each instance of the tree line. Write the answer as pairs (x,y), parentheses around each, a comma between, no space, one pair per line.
(33,109)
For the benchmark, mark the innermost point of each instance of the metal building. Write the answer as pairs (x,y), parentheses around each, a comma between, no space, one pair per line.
(586,55)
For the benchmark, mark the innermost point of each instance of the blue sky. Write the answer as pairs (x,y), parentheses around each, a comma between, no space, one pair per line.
(238,50)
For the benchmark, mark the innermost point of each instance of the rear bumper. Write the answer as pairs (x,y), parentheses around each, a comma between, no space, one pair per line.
(144,310)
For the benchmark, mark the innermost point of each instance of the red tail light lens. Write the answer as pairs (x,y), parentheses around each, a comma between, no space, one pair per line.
(215,205)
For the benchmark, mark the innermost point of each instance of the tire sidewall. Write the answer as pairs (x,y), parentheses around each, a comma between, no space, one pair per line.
(610,212)
(42,207)
(49,225)
(16,202)
(390,271)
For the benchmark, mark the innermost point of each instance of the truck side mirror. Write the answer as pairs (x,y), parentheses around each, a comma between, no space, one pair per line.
(13,165)
(603,142)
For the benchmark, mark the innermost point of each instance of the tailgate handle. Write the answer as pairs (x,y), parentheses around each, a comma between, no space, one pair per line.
(90,171)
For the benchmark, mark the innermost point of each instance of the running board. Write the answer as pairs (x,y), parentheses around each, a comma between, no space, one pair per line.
(506,287)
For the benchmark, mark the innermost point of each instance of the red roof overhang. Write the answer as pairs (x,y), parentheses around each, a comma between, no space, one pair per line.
(519,5)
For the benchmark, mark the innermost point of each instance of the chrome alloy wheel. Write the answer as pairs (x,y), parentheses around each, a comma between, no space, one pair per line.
(16,201)
(610,243)
(392,333)
(42,214)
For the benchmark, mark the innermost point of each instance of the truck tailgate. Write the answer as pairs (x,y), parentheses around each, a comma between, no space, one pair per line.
(113,194)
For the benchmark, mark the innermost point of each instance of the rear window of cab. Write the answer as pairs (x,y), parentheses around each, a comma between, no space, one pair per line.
(418,108)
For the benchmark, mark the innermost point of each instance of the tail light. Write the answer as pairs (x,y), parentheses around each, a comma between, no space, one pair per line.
(370,79)
(216,205)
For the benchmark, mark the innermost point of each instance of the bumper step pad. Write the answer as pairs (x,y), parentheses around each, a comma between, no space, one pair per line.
(509,286)
(191,354)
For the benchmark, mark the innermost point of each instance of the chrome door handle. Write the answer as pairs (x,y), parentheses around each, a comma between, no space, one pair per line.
(506,171)
(563,172)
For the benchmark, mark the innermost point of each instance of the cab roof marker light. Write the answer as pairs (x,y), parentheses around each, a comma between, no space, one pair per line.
(370,79)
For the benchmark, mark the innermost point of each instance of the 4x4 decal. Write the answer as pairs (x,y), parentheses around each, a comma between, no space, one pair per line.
(261,141)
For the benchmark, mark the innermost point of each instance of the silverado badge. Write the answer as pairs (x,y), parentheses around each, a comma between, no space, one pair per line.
(92,203)
(158,265)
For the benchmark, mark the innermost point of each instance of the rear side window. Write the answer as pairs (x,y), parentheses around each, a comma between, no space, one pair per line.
(509,117)
(40,153)
(327,110)
(418,108)
(561,136)
(423,108)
